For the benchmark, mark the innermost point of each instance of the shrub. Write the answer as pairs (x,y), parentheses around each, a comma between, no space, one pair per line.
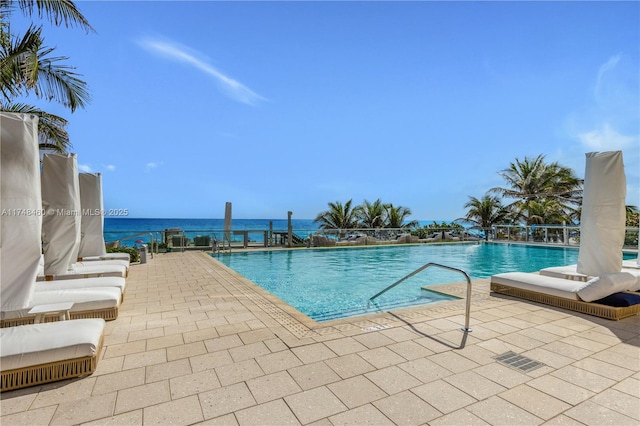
(133,253)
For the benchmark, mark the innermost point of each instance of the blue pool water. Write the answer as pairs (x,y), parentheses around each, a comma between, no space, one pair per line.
(327,284)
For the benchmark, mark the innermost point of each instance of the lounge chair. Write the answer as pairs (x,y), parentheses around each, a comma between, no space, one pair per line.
(92,245)
(61,226)
(21,234)
(95,302)
(606,296)
(42,353)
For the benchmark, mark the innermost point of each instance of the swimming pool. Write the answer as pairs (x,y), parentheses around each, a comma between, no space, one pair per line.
(328,284)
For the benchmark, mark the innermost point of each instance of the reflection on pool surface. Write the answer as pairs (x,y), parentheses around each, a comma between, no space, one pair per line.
(327,284)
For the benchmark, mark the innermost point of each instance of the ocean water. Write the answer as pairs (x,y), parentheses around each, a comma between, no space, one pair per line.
(132,230)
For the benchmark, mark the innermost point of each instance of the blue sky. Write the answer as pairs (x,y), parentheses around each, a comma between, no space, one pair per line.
(286,106)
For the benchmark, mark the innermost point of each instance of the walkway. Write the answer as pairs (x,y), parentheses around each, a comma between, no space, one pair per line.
(197,343)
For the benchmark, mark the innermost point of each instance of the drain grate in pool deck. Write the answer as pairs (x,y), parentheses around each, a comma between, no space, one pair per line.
(518,362)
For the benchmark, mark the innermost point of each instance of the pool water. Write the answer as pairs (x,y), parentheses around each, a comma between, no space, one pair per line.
(328,284)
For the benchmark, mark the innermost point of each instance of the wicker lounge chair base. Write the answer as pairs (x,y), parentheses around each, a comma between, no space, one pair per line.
(590,308)
(107,314)
(31,363)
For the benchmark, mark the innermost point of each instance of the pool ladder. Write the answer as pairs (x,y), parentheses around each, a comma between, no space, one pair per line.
(466,328)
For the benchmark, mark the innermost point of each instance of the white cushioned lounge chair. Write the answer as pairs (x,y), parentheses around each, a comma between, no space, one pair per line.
(570,272)
(96,302)
(587,297)
(41,353)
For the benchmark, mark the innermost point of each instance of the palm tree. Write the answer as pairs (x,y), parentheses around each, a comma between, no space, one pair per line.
(372,215)
(485,212)
(396,217)
(338,216)
(533,181)
(28,67)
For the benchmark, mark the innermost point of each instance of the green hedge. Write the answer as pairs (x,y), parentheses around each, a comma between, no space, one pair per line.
(133,253)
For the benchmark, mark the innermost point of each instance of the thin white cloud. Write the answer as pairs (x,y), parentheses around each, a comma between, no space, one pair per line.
(84,168)
(232,88)
(603,70)
(606,139)
(152,165)
(110,167)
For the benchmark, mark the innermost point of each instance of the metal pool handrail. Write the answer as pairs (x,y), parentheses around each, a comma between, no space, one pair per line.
(450,268)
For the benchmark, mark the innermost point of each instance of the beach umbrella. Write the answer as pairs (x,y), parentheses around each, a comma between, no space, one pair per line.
(602,221)
(92,220)
(61,225)
(227,222)
(20,198)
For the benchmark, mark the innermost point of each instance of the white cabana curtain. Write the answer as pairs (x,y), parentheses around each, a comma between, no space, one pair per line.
(22,209)
(92,220)
(602,222)
(61,202)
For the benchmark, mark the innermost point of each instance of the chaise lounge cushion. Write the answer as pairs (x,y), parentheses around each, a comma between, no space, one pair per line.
(605,285)
(542,284)
(36,344)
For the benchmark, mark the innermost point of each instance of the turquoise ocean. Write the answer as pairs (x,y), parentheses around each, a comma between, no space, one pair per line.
(132,230)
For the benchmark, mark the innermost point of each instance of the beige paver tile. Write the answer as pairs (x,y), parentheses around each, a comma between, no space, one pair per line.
(548,357)
(231,329)
(164,342)
(113,382)
(142,396)
(278,361)
(226,420)
(457,418)
(629,386)
(474,384)
(125,349)
(443,396)
(20,400)
(314,404)
(84,410)
(382,357)
(225,400)
(349,365)
(603,368)
(145,334)
(477,354)
(497,411)
(593,414)
(616,358)
(180,367)
(259,335)
(393,379)
(567,392)
(374,340)
(363,415)
(563,420)
(425,370)
(312,353)
(273,413)
(410,350)
(109,365)
(532,400)
(453,362)
(238,372)
(400,334)
(345,346)
(272,386)
(125,419)
(584,378)
(505,376)
(405,408)
(567,350)
(144,359)
(313,375)
(225,342)
(191,384)
(64,391)
(248,351)
(183,411)
(619,402)
(39,416)
(185,351)
(356,391)
(210,360)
